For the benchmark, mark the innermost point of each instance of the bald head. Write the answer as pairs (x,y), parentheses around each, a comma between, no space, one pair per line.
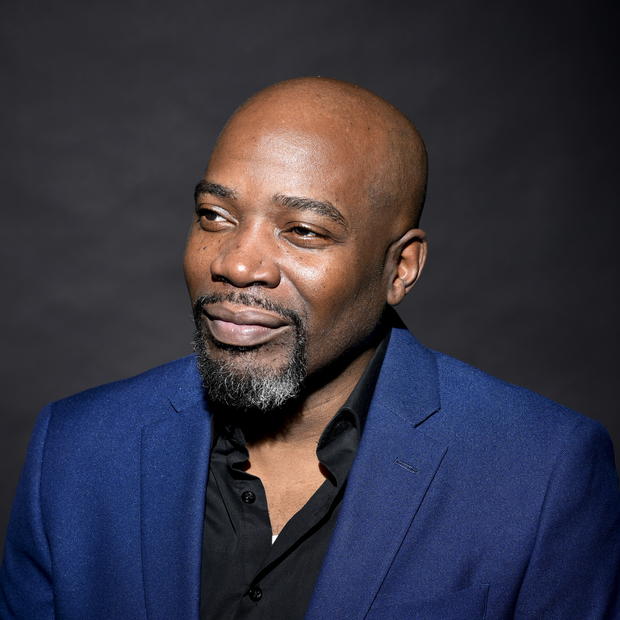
(308,209)
(381,146)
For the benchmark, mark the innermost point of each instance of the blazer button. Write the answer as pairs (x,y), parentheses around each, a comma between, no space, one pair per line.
(247,497)
(255,594)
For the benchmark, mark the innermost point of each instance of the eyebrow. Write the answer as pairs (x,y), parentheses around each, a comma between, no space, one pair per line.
(320,207)
(215,189)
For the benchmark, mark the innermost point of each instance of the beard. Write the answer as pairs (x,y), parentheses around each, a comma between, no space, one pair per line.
(236,380)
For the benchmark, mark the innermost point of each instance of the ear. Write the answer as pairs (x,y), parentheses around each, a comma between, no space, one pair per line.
(406,258)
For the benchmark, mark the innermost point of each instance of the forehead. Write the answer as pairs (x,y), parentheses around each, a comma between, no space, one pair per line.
(319,159)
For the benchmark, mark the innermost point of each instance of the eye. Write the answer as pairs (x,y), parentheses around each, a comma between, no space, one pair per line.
(308,233)
(304,236)
(210,215)
(210,219)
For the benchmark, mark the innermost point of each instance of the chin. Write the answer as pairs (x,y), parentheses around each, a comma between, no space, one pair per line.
(264,377)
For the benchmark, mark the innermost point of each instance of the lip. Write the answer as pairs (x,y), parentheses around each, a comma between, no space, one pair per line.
(243,326)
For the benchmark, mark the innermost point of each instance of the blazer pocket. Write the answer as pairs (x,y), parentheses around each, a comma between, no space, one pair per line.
(467,604)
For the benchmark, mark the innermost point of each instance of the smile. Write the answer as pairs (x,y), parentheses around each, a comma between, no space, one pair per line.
(242,326)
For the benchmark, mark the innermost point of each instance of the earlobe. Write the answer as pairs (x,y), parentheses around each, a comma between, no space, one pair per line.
(409,256)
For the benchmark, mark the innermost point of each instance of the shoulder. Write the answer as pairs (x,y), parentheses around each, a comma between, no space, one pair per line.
(468,402)
(508,441)
(481,408)
(130,402)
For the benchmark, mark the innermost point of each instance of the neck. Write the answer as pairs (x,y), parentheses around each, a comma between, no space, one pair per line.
(302,422)
(321,403)
(293,448)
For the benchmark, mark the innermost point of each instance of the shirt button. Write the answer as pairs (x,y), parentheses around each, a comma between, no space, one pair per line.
(255,594)
(247,497)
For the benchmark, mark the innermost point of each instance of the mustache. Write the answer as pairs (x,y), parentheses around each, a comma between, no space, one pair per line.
(251,301)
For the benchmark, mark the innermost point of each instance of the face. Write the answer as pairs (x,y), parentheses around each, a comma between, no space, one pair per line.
(286,257)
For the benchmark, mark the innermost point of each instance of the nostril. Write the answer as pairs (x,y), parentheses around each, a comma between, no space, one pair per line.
(237,283)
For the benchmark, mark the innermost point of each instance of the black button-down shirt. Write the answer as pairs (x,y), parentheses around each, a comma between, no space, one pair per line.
(244,574)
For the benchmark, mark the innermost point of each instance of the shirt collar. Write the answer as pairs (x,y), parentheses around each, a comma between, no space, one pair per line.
(338,442)
(337,446)
(355,409)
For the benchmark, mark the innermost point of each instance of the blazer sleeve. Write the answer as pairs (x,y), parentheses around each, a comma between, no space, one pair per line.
(26,590)
(574,569)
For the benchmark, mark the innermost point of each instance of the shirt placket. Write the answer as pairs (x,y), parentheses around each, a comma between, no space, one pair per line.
(254,530)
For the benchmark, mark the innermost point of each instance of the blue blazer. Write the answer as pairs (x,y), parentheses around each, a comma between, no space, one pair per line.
(469,498)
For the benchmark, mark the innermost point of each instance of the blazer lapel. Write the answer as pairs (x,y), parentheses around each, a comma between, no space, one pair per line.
(175,457)
(394,468)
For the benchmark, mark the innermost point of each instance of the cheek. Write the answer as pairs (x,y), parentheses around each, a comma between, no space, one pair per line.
(344,301)
(196,261)
(321,284)
(337,284)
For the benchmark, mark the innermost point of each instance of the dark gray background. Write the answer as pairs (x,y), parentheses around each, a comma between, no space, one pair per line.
(109,112)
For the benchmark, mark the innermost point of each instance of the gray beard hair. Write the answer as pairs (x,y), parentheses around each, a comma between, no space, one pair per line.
(243,386)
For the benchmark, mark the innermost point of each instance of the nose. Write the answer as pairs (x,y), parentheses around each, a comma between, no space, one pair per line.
(247,258)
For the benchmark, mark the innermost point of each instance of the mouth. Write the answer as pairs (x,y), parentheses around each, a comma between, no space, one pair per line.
(243,326)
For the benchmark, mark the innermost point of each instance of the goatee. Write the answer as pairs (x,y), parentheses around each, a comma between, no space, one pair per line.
(238,383)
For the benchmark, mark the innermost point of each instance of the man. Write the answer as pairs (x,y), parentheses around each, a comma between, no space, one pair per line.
(329,466)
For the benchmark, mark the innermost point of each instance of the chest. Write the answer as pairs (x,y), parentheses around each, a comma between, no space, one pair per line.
(243,509)
(287,495)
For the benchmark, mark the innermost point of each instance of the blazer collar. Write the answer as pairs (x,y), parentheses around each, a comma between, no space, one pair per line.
(394,467)
(408,384)
(174,466)
(185,391)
